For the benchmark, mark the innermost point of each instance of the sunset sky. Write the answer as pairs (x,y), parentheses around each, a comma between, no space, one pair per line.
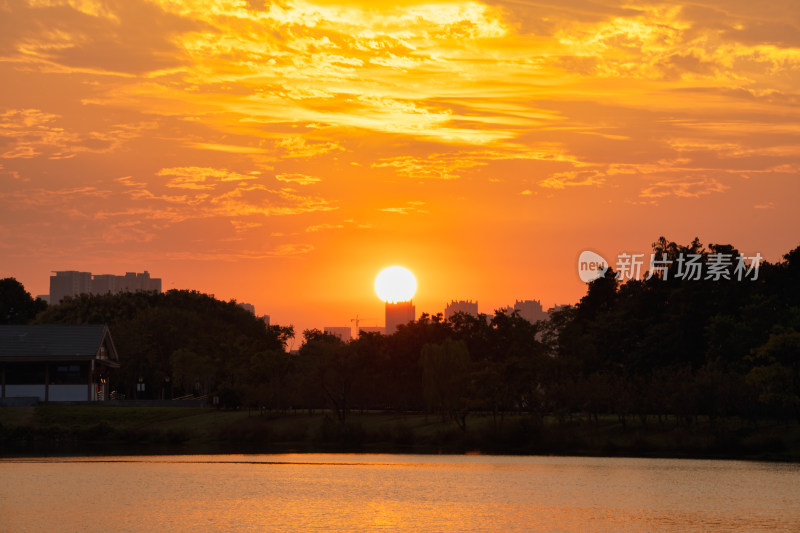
(283,153)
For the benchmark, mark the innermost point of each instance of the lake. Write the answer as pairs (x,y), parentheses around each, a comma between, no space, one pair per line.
(334,492)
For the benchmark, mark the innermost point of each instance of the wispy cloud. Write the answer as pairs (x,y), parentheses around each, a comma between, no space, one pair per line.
(298,147)
(409,208)
(53,199)
(29,133)
(201,178)
(684,188)
(300,179)
(321,227)
(432,167)
(573,178)
(282,250)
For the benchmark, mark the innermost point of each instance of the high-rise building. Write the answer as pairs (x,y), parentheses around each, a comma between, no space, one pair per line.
(398,313)
(69,283)
(105,283)
(72,283)
(247,307)
(530,310)
(133,282)
(343,332)
(461,306)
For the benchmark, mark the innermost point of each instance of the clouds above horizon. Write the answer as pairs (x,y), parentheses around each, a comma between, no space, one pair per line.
(264,126)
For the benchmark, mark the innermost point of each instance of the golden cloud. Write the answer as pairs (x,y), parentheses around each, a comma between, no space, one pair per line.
(409,208)
(300,179)
(200,177)
(562,180)
(320,227)
(684,187)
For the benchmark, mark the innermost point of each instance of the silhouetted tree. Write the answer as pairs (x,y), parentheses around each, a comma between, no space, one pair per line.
(446,376)
(17,306)
(185,336)
(332,366)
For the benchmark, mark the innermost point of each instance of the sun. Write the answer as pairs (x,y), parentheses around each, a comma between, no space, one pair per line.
(395,284)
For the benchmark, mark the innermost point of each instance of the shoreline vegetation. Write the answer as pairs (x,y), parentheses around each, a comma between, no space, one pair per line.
(93,430)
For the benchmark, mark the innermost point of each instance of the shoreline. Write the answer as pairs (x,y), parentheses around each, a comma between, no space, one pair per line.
(49,430)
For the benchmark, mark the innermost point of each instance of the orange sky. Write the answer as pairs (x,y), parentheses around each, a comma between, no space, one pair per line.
(283,153)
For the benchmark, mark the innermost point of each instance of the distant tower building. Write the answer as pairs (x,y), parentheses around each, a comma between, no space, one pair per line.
(398,313)
(343,332)
(105,284)
(247,307)
(461,306)
(265,318)
(133,282)
(530,310)
(69,283)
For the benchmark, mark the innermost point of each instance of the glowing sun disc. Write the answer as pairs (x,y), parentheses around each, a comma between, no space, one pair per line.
(395,284)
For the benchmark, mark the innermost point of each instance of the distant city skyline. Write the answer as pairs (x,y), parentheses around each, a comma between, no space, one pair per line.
(461,306)
(74,283)
(530,310)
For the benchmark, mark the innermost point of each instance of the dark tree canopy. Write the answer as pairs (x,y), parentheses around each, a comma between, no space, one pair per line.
(183,341)
(17,306)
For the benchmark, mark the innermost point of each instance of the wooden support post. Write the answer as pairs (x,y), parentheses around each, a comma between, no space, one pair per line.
(91,380)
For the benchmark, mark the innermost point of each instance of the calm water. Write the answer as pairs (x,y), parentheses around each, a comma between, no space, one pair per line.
(395,493)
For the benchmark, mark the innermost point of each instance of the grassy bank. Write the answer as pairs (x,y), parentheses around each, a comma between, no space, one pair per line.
(98,429)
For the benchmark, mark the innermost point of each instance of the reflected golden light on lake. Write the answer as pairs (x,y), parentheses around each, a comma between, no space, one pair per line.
(396,493)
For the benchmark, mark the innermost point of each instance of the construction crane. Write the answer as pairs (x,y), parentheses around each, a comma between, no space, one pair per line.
(357,320)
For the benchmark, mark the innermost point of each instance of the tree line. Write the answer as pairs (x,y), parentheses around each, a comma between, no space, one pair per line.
(634,348)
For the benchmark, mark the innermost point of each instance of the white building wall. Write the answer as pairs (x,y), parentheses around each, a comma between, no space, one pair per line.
(28,391)
(68,393)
